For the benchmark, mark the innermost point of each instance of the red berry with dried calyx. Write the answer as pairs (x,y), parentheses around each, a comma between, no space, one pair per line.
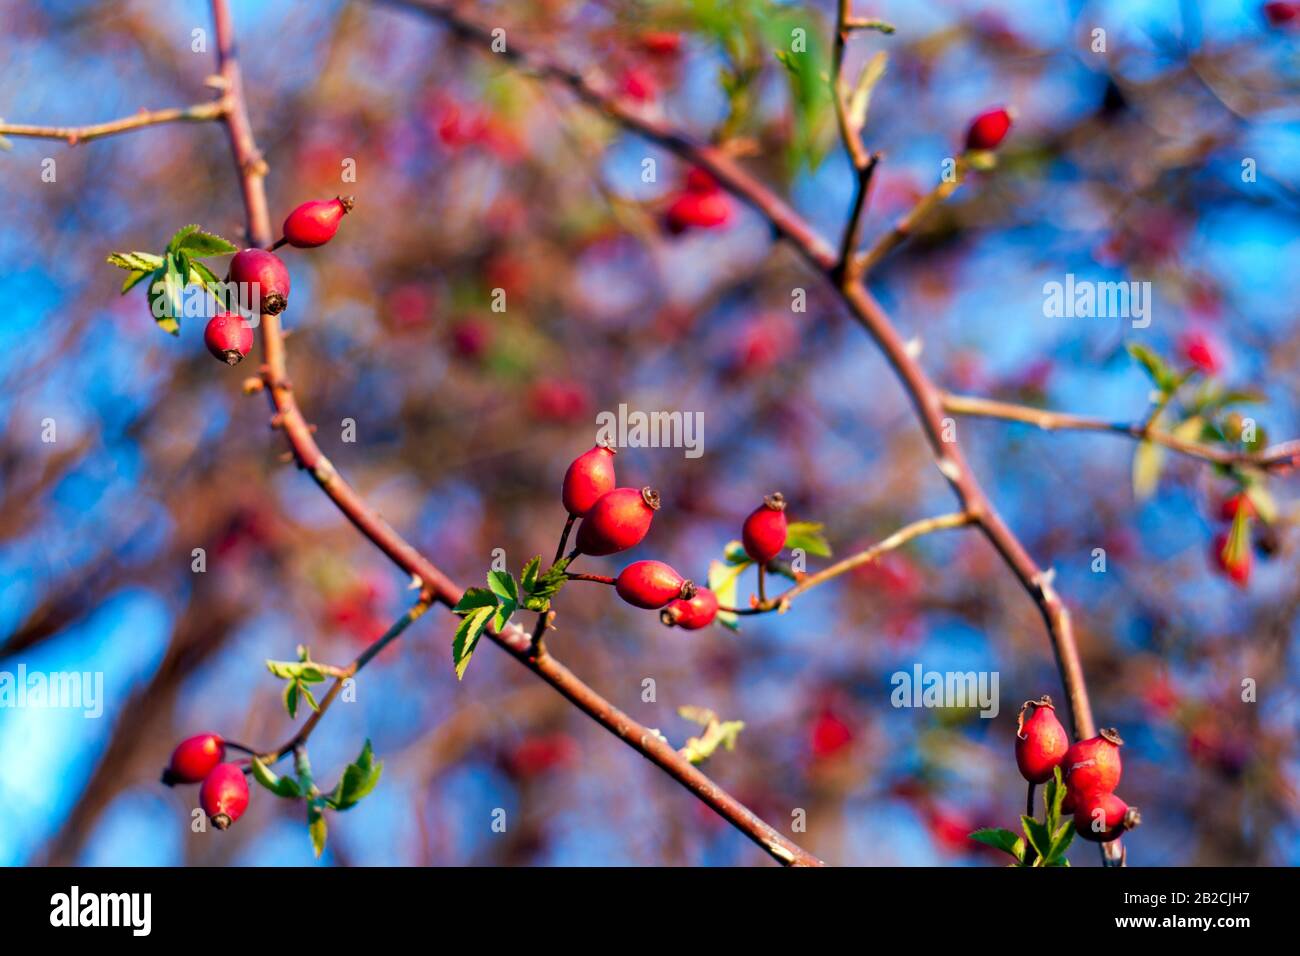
(652,584)
(1094,764)
(228,337)
(589,478)
(194,758)
(765,529)
(691,614)
(314,223)
(1041,741)
(617,521)
(224,795)
(257,267)
(988,130)
(1100,816)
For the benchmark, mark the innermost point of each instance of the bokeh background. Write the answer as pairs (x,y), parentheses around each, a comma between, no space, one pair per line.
(1125,164)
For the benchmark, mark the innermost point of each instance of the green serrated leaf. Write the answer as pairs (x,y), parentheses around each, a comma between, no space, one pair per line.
(467,635)
(528,577)
(135,261)
(807,536)
(1160,374)
(723,580)
(474,599)
(1000,839)
(196,242)
(307,694)
(502,584)
(1037,836)
(359,779)
(159,304)
(132,280)
(278,785)
(316,826)
(291,698)
(1061,841)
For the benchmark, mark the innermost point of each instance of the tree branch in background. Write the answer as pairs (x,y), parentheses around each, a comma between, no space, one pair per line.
(82,134)
(435,585)
(1280,455)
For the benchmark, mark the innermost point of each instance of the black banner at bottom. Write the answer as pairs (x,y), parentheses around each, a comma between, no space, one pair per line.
(937,905)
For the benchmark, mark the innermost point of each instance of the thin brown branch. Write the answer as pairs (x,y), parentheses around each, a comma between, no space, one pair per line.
(1280,455)
(906,225)
(909,532)
(850,134)
(199,113)
(436,585)
(926,397)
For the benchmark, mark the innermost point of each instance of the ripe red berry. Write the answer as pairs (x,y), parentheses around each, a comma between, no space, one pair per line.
(265,270)
(765,529)
(228,337)
(590,476)
(617,521)
(698,210)
(194,758)
(1094,764)
(1041,741)
(1236,567)
(314,223)
(652,584)
(988,129)
(224,795)
(691,614)
(1102,816)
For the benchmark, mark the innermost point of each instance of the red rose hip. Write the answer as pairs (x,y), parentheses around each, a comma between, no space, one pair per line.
(691,614)
(224,795)
(652,584)
(257,267)
(228,337)
(765,529)
(314,223)
(988,130)
(1041,741)
(590,477)
(1093,764)
(1101,816)
(617,521)
(194,758)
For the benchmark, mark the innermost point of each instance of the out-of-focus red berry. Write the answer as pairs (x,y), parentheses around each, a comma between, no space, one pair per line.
(558,400)
(829,734)
(542,753)
(988,130)
(1202,351)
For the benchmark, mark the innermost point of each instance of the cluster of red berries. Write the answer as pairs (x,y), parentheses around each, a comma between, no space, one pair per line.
(228,336)
(615,519)
(223,793)
(1091,769)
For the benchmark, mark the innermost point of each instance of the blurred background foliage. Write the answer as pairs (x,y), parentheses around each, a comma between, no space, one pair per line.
(1123,165)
